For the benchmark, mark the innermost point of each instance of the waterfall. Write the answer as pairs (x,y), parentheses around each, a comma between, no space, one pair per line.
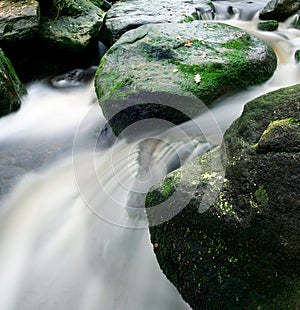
(242,10)
(205,12)
(68,239)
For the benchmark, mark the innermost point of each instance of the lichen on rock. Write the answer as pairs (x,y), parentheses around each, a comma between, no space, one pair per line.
(243,251)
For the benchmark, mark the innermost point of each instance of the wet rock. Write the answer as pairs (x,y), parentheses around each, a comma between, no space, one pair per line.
(19,158)
(280,136)
(127,15)
(279,10)
(71,25)
(11,88)
(270,25)
(160,63)
(73,78)
(235,243)
(19,20)
(297,55)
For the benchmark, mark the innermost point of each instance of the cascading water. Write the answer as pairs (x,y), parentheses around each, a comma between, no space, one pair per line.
(242,10)
(67,238)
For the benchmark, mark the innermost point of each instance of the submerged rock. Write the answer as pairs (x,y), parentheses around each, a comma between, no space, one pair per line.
(19,20)
(11,88)
(192,60)
(279,10)
(239,250)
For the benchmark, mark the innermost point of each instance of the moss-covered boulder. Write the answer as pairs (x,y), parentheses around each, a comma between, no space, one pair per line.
(241,249)
(197,59)
(11,88)
(279,10)
(70,25)
(269,25)
(19,20)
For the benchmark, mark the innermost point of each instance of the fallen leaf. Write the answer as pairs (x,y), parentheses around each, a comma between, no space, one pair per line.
(197,78)
(188,43)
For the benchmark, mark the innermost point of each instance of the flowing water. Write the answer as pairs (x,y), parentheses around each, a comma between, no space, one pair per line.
(67,239)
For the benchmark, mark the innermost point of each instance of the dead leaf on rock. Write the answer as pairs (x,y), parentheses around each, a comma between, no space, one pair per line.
(188,43)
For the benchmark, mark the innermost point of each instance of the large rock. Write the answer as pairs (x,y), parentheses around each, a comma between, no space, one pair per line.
(71,25)
(197,59)
(279,10)
(11,88)
(19,20)
(126,15)
(241,249)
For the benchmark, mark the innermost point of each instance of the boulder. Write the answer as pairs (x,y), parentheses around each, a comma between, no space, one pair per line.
(11,88)
(19,20)
(297,55)
(279,10)
(236,245)
(126,15)
(200,59)
(71,25)
(269,25)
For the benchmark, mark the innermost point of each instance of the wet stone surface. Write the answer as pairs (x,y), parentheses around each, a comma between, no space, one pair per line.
(17,160)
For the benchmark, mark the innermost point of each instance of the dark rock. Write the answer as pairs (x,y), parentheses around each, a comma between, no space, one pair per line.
(102,4)
(19,20)
(11,88)
(71,25)
(65,36)
(270,25)
(73,78)
(236,245)
(198,59)
(280,136)
(279,10)
(297,55)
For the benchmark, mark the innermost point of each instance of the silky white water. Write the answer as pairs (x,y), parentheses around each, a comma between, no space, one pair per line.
(67,240)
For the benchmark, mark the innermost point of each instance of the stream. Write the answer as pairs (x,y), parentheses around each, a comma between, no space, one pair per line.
(67,238)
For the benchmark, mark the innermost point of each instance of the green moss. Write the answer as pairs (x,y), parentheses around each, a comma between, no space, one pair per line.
(216,78)
(242,42)
(187,19)
(294,120)
(11,88)
(270,25)
(157,51)
(261,195)
(169,186)
(225,207)
(122,83)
